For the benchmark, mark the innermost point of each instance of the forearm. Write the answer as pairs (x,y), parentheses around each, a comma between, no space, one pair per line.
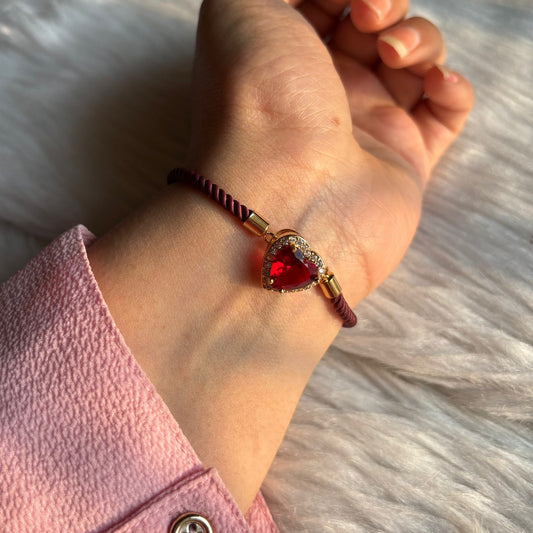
(230,360)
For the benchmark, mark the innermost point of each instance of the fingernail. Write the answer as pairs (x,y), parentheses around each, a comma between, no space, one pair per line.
(379,7)
(403,40)
(447,74)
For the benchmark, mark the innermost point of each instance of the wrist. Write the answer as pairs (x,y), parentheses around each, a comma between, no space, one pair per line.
(303,189)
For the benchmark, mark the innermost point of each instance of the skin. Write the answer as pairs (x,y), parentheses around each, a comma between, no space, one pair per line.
(334,141)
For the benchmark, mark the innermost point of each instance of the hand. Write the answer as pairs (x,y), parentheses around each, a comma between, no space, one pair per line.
(336,141)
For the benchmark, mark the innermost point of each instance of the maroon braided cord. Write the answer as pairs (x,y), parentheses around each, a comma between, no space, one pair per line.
(349,320)
(210,189)
(182,175)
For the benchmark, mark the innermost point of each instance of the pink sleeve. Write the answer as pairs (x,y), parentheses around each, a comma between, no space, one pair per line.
(86,444)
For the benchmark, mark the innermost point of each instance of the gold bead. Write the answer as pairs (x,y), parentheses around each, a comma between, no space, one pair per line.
(256,224)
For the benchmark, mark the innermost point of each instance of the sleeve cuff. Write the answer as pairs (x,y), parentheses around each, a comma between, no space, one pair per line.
(87,441)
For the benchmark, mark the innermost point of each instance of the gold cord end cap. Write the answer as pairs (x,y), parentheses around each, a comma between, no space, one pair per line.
(256,224)
(330,286)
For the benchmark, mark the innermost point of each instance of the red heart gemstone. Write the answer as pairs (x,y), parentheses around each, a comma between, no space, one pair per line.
(290,270)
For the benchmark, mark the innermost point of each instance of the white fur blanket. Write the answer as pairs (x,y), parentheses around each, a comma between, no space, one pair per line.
(421,418)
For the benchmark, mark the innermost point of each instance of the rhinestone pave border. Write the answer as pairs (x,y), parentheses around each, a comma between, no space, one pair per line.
(300,243)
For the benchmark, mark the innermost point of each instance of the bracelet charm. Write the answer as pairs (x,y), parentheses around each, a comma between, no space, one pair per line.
(290,265)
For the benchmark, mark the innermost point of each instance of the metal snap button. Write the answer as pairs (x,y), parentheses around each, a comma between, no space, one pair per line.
(191,523)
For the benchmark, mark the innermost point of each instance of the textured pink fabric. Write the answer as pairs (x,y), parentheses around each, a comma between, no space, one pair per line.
(86,444)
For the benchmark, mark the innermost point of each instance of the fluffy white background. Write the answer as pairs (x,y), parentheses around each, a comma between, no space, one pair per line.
(420,419)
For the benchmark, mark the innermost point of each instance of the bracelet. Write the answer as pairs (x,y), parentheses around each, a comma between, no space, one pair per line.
(289,264)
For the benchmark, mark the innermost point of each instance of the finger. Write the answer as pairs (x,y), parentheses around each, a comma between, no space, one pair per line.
(404,87)
(416,44)
(408,51)
(370,16)
(441,116)
(323,15)
(356,35)
(358,45)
